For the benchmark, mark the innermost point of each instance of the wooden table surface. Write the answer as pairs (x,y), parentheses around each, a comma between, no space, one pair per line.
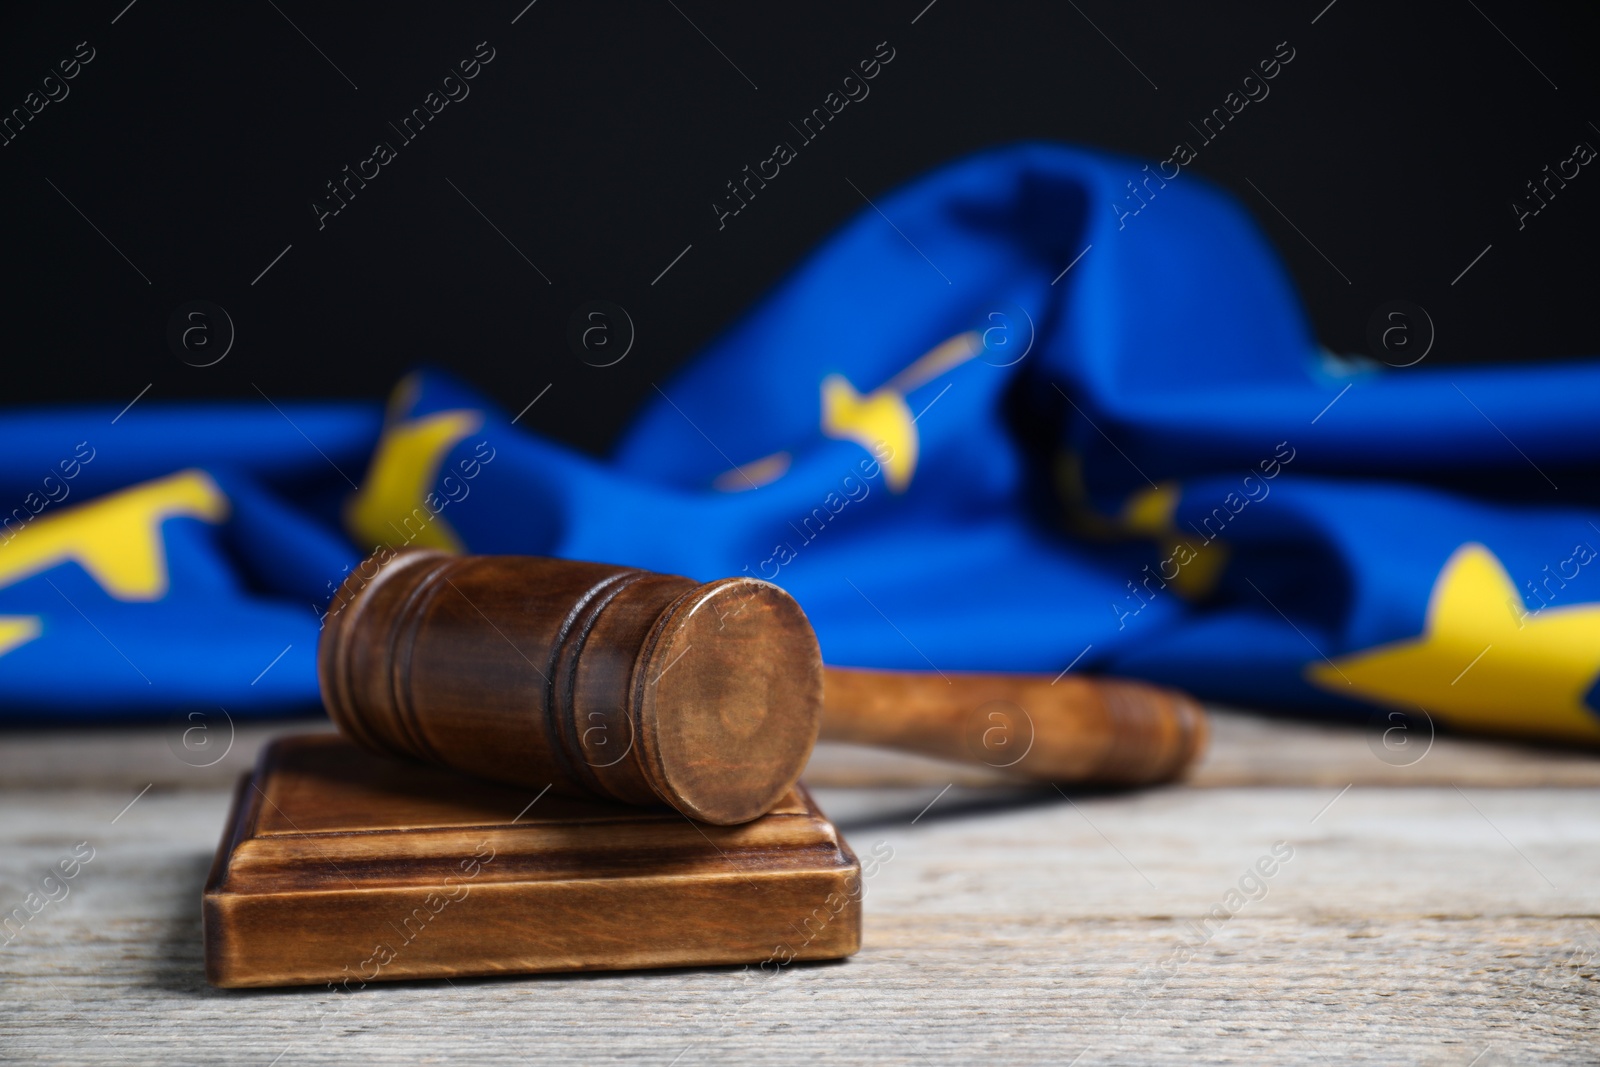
(1441,912)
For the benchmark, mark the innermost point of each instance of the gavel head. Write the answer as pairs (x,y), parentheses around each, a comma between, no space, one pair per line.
(599,681)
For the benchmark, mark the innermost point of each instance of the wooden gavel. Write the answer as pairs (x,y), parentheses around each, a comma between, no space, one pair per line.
(646,688)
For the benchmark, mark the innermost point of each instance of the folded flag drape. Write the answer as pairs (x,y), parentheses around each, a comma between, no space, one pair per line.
(997,422)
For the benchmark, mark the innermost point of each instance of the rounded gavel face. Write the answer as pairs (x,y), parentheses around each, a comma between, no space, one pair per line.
(599,681)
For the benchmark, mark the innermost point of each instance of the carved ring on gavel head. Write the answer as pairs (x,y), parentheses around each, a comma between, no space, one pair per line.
(626,685)
(601,681)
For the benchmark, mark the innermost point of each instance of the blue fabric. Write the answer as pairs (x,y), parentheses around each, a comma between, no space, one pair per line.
(954,452)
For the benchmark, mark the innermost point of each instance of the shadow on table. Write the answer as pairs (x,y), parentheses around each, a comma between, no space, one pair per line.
(858,810)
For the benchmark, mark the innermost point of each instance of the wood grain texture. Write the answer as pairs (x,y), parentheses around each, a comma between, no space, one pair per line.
(341,866)
(1254,749)
(606,682)
(1071,728)
(1247,749)
(621,684)
(1414,924)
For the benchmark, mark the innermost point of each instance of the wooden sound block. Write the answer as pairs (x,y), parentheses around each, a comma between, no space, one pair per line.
(344,867)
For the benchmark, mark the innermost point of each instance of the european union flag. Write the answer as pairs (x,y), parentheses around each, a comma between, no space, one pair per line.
(991,424)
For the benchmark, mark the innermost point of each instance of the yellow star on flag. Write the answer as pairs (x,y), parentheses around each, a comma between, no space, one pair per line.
(882,416)
(1483,661)
(393,502)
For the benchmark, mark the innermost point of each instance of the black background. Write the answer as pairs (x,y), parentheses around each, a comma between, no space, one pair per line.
(599,136)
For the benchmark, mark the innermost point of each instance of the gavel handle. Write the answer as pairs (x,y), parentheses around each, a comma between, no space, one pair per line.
(1073,729)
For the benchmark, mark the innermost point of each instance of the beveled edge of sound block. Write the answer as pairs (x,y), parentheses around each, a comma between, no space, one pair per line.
(344,867)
